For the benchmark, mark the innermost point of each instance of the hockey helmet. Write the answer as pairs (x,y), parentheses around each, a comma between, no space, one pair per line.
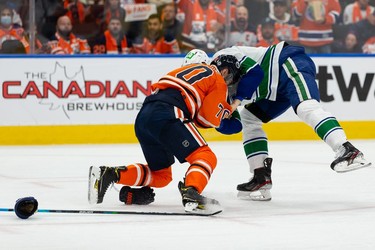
(196,56)
(231,63)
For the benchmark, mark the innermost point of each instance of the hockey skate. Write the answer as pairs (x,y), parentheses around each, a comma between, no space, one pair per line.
(99,181)
(197,204)
(349,158)
(258,188)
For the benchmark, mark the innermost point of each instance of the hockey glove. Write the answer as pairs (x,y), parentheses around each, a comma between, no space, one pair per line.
(25,207)
(139,196)
(231,125)
(249,83)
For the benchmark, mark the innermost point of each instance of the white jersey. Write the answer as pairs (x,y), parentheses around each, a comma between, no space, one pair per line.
(246,38)
(267,58)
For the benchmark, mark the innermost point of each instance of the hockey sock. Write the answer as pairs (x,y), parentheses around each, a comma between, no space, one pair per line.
(324,124)
(255,142)
(161,178)
(135,175)
(141,175)
(202,163)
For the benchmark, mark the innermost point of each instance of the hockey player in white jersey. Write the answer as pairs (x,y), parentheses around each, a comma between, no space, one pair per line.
(287,79)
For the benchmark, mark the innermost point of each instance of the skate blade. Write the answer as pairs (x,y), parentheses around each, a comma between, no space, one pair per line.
(343,167)
(94,174)
(209,209)
(260,195)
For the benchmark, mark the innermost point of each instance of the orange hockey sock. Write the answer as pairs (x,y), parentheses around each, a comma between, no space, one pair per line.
(141,175)
(202,163)
(135,175)
(161,178)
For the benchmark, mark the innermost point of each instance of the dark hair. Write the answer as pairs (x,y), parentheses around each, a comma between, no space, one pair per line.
(115,18)
(12,47)
(154,16)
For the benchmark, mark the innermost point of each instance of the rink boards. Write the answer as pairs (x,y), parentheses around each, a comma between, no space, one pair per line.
(59,100)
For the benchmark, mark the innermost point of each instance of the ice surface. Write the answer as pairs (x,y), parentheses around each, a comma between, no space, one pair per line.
(312,206)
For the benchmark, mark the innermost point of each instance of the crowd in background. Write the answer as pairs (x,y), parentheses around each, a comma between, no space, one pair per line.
(177,26)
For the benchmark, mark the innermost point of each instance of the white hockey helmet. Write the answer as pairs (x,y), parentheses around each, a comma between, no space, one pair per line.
(196,56)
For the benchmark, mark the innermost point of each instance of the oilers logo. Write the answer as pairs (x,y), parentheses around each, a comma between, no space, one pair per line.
(316,10)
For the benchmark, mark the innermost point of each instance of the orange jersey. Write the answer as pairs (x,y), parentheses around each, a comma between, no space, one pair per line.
(204,91)
(74,45)
(312,33)
(197,19)
(160,46)
(14,34)
(353,13)
(107,44)
(221,10)
(76,11)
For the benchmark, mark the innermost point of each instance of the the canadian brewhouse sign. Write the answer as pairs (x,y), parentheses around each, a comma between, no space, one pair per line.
(101,90)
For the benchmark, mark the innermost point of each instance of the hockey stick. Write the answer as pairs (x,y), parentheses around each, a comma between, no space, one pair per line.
(65,211)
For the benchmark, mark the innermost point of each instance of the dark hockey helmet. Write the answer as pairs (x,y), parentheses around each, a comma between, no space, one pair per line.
(231,63)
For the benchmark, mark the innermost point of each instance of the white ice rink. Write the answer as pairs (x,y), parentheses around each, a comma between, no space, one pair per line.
(312,207)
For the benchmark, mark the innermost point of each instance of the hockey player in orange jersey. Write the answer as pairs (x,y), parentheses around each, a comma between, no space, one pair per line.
(192,96)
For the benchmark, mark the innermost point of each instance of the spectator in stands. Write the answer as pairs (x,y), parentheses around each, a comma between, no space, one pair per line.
(133,1)
(369,46)
(76,11)
(15,6)
(365,29)
(96,10)
(46,13)
(357,11)
(160,3)
(316,20)
(113,41)
(10,31)
(285,28)
(112,8)
(258,11)
(241,35)
(268,34)
(221,9)
(65,42)
(171,26)
(349,45)
(153,42)
(200,25)
(12,47)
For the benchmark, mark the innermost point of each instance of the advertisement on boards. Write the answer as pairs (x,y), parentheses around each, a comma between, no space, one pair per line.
(110,90)
(46,91)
